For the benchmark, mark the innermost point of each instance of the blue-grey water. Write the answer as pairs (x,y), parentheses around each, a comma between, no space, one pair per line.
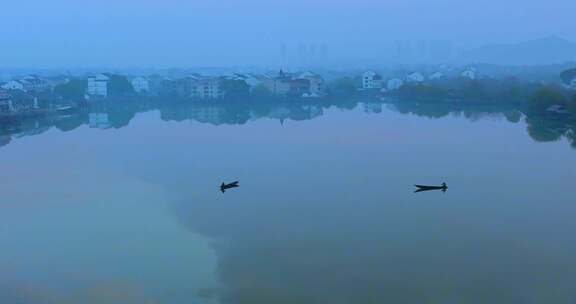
(128,210)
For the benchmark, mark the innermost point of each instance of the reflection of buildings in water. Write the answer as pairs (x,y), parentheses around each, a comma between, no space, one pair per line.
(309,111)
(304,112)
(372,107)
(5,139)
(208,114)
(34,128)
(98,120)
(314,111)
(280,113)
(545,129)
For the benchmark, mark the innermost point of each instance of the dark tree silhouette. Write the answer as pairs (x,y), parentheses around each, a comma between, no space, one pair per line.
(73,89)
(119,86)
(568,75)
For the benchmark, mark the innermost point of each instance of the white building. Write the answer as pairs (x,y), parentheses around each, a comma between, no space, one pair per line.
(469,73)
(141,85)
(436,76)
(14,85)
(206,88)
(33,83)
(316,83)
(394,84)
(371,80)
(277,85)
(415,77)
(98,85)
(573,84)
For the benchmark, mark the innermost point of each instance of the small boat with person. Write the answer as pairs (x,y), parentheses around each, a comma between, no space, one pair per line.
(225,186)
(421,188)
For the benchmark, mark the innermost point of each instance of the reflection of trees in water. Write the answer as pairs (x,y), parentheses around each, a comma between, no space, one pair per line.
(117,291)
(425,111)
(549,130)
(470,112)
(238,114)
(539,128)
(513,116)
(119,114)
(70,122)
(5,139)
(571,136)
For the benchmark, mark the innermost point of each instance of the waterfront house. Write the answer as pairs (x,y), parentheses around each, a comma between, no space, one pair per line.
(573,84)
(281,87)
(186,87)
(415,77)
(437,76)
(371,80)
(5,102)
(98,85)
(208,88)
(279,84)
(299,87)
(141,85)
(316,83)
(469,73)
(200,87)
(14,85)
(35,84)
(17,102)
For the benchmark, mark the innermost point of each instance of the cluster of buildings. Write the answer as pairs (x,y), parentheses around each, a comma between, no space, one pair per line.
(195,86)
(20,95)
(31,84)
(15,102)
(571,84)
(372,80)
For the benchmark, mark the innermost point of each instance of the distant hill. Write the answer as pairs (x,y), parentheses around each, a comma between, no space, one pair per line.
(549,50)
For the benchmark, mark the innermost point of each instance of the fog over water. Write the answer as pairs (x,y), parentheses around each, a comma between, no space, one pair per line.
(221,33)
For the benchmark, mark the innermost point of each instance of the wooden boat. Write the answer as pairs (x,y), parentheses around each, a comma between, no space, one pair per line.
(225,187)
(422,187)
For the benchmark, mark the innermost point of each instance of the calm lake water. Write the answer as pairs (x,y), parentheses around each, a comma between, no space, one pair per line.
(125,208)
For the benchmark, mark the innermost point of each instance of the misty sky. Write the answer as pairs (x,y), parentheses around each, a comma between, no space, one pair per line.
(149,33)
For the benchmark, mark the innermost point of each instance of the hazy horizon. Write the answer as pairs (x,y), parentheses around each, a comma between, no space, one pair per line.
(65,33)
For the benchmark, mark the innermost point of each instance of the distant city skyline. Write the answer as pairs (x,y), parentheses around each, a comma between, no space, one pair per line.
(66,33)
